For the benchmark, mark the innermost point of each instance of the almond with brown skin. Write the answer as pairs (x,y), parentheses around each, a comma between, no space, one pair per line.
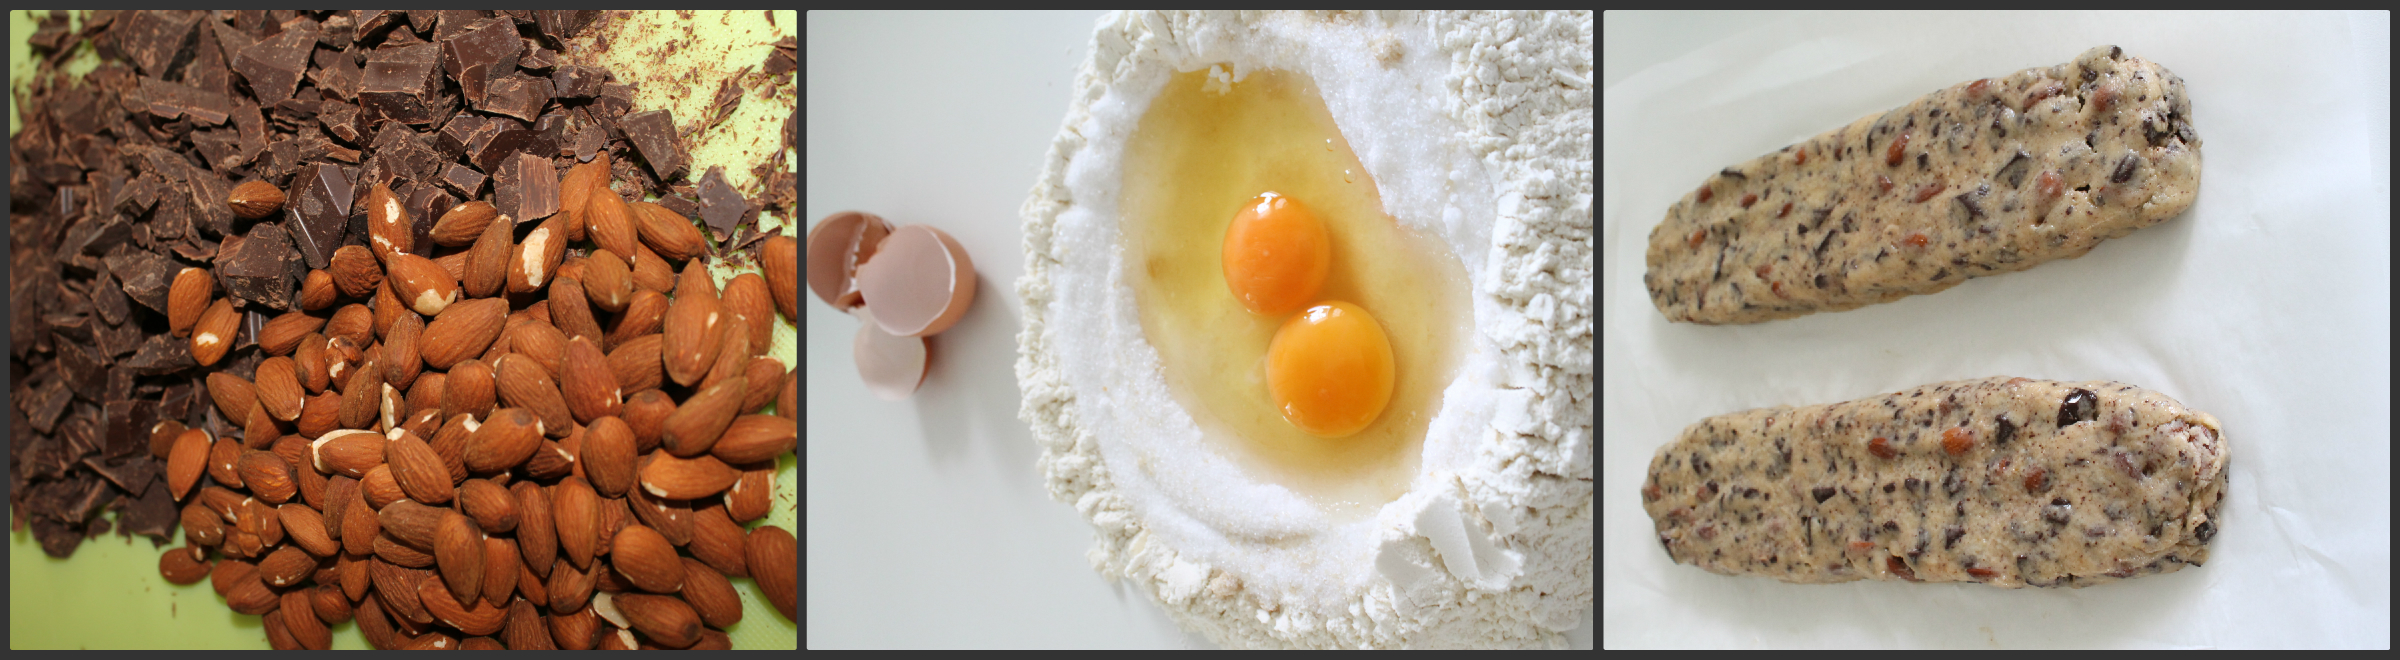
(608,456)
(184,565)
(765,378)
(466,613)
(500,570)
(352,453)
(575,509)
(458,550)
(186,461)
(693,328)
(540,341)
(462,331)
(418,470)
(537,535)
(576,188)
(306,528)
(577,630)
(402,360)
(779,258)
(354,322)
(251,597)
(267,476)
(299,614)
(672,518)
(774,559)
(190,295)
(639,363)
(410,522)
(222,459)
(331,606)
(389,229)
(522,384)
(308,359)
(388,307)
(532,263)
(751,496)
(355,271)
(644,313)
(201,526)
(255,199)
(733,353)
(678,478)
(663,619)
(278,388)
(259,429)
(646,413)
(700,420)
(285,567)
(283,333)
(421,284)
(493,509)
(757,438)
(607,281)
(570,310)
(504,441)
(463,223)
(317,291)
(609,223)
(719,542)
(213,333)
(647,559)
(487,262)
(233,396)
(651,271)
(671,235)
(587,384)
(710,594)
(526,630)
(746,297)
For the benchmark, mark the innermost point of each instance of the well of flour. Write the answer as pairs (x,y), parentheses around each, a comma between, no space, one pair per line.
(1475,131)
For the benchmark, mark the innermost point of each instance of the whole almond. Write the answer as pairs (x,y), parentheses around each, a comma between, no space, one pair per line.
(609,223)
(710,594)
(317,291)
(202,527)
(779,257)
(463,223)
(696,425)
(752,496)
(354,322)
(268,476)
(570,309)
(306,528)
(255,199)
(647,559)
(651,271)
(575,509)
(537,535)
(464,612)
(397,585)
(645,312)
(388,306)
(577,630)
(162,438)
(774,561)
(526,631)
(379,488)
(458,549)
(719,542)
(608,281)
(462,331)
(608,456)
(672,518)
(285,567)
(186,461)
(763,379)
(278,388)
(251,597)
(190,295)
(500,570)
(389,230)
(664,619)
(639,363)
(310,360)
(504,441)
(468,390)
(733,354)
(532,263)
(184,565)
(646,413)
(283,333)
(677,478)
(450,440)
(279,636)
(693,328)
(331,606)
(213,332)
(349,452)
(576,188)
(529,584)
(587,384)
(411,522)
(671,235)
(418,470)
(420,283)
(402,360)
(223,457)
(355,271)
(259,429)
(491,506)
(487,262)
(233,396)
(362,396)
(522,384)
(299,614)
(746,296)
(540,341)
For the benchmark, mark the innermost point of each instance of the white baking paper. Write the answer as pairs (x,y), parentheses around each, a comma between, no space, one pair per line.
(2266,304)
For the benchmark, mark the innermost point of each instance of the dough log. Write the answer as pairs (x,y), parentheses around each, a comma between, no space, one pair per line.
(2006,481)
(1985,177)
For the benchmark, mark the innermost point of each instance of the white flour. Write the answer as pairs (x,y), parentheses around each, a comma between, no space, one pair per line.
(1491,546)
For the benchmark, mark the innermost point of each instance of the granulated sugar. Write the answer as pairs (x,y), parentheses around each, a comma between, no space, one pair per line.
(1477,128)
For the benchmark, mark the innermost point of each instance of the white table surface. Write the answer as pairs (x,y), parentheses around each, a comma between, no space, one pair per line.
(927,522)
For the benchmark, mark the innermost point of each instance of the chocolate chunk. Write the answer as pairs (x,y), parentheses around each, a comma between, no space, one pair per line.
(786,57)
(319,211)
(337,74)
(406,153)
(615,100)
(170,100)
(400,84)
(274,66)
(157,40)
(720,205)
(152,513)
(109,299)
(263,268)
(517,95)
(537,58)
(145,276)
(462,180)
(478,53)
(510,142)
(681,204)
(85,371)
(463,132)
(653,132)
(162,354)
(526,188)
(578,82)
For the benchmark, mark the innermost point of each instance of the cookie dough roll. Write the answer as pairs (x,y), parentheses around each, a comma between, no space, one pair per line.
(2005,481)
(1985,177)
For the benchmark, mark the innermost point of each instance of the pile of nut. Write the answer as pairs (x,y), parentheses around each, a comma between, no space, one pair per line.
(497,447)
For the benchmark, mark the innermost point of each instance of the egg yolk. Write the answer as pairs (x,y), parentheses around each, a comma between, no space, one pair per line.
(1276,255)
(1329,369)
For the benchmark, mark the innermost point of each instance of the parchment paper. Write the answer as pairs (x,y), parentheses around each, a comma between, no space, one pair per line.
(2266,304)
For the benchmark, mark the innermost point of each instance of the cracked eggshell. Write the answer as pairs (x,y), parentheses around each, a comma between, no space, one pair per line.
(919,281)
(893,366)
(836,247)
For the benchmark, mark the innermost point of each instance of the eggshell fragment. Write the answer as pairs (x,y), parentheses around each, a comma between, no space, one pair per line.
(836,246)
(892,366)
(919,281)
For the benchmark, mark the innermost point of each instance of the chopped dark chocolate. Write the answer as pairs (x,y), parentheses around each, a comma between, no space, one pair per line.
(462,180)
(145,276)
(537,58)
(477,53)
(263,269)
(400,82)
(320,211)
(653,132)
(525,188)
(517,95)
(426,205)
(510,142)
(577,82)
(720,205)
(274,66)
(157,40)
